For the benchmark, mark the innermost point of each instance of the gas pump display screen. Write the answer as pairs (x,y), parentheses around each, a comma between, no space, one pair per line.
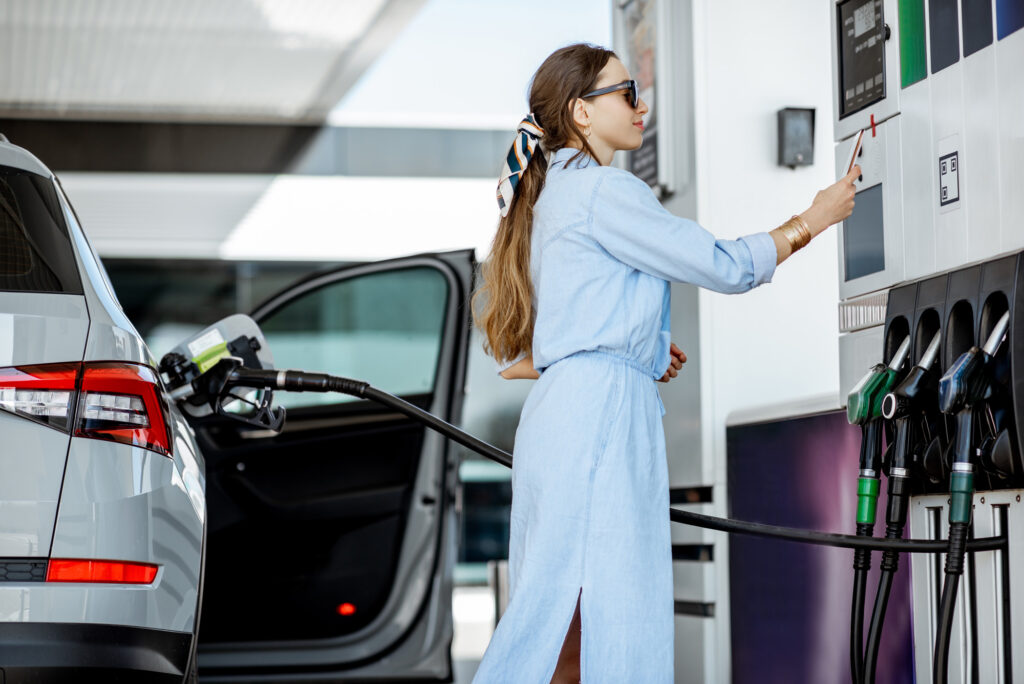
(864,236)
(861,55)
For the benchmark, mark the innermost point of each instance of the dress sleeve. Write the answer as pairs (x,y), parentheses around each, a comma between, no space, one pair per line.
(628,221)
(502,366)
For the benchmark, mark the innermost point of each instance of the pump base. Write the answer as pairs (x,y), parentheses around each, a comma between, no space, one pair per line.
(989,616)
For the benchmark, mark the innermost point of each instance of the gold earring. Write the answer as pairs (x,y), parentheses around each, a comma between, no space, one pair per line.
(587,132)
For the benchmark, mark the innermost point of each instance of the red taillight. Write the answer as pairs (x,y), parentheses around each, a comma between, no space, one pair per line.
(43,393)
(121,402)
(114,572)
(346,609)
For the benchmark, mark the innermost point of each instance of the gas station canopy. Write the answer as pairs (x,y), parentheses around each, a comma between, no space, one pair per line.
(281,61)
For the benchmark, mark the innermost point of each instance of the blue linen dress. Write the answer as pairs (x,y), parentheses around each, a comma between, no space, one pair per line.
(590,494)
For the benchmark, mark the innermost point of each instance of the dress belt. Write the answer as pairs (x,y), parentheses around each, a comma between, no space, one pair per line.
(631,363)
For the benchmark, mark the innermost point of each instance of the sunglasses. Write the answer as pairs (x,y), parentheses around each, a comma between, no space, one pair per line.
(634,94)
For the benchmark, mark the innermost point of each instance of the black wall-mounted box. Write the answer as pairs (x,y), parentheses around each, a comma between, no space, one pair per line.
(796,136)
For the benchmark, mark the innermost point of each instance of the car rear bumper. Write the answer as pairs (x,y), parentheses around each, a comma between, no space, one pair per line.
(56,652)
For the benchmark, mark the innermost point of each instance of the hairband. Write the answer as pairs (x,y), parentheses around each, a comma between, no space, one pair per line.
(528,134)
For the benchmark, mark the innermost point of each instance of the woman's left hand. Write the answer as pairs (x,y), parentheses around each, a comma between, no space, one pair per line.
(678,359)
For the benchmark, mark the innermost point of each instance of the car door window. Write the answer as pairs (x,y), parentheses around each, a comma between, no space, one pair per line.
(384,328)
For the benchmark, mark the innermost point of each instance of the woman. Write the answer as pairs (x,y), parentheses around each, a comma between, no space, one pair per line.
(576,295)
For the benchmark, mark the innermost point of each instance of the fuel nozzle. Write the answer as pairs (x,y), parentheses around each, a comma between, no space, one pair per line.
(919,389)
(864,408)
(967,382)
(864,402)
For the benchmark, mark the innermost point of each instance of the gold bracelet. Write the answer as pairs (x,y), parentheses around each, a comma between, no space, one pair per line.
(803,227)
(795,235)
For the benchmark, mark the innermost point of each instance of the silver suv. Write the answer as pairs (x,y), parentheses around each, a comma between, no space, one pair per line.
(102,492)
(331,544)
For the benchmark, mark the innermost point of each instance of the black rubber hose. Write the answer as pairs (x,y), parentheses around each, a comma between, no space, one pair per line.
(861,565)
(447,429)
(896,520)
(875,630)
(940,659)
(317,382)
(842,541)
(958,545)
(860,581)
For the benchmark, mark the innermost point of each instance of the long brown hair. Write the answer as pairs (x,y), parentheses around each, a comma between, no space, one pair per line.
(503,305)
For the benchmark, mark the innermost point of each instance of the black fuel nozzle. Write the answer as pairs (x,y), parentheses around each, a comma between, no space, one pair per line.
(216,386)
(919,390)
(965,384)
(967,381)
(906,405)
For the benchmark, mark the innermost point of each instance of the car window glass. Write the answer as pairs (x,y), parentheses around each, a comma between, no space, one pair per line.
(384,328)
(35,250)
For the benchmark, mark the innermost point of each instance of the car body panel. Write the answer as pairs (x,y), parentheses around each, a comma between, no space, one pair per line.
(32,466)
(38,327)
(18,157)
(411,634)
(112,337)
(85,498)
(128,503)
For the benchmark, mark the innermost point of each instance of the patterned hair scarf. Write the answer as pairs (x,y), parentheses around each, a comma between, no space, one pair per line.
(528,134)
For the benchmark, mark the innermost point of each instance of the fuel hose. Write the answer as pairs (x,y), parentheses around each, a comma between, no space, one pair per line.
(300,381)
(907,406)
(864,408)
(962,390)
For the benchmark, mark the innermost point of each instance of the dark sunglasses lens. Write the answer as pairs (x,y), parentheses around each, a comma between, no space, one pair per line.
(634,96)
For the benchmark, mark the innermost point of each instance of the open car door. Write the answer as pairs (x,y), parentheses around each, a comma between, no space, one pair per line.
(331,545)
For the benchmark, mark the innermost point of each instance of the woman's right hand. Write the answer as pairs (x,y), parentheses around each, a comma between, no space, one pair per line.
(833,204)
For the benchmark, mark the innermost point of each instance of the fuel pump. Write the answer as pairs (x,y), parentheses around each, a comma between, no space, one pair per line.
(963,390)
(908,405)
(864,408)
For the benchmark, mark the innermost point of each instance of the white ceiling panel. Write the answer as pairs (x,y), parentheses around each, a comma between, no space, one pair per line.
(335,218)
(200,60)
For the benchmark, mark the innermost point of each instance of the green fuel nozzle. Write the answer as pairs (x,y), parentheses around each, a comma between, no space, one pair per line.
(864,402)
(864,408)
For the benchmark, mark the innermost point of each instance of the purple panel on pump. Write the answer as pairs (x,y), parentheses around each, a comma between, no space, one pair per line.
(790,603)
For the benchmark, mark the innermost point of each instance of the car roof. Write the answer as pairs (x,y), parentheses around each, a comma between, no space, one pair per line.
(19,158)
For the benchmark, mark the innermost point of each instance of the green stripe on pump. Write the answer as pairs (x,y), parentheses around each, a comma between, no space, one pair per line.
(913,58)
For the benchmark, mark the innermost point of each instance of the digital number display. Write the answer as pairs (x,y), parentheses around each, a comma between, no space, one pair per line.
(863,19)
(861,55)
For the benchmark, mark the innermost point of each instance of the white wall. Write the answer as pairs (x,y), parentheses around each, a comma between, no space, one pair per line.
(779,343)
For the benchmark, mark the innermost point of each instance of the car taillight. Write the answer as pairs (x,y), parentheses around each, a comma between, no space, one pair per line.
(116,572)
(43,393)
(121,402)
